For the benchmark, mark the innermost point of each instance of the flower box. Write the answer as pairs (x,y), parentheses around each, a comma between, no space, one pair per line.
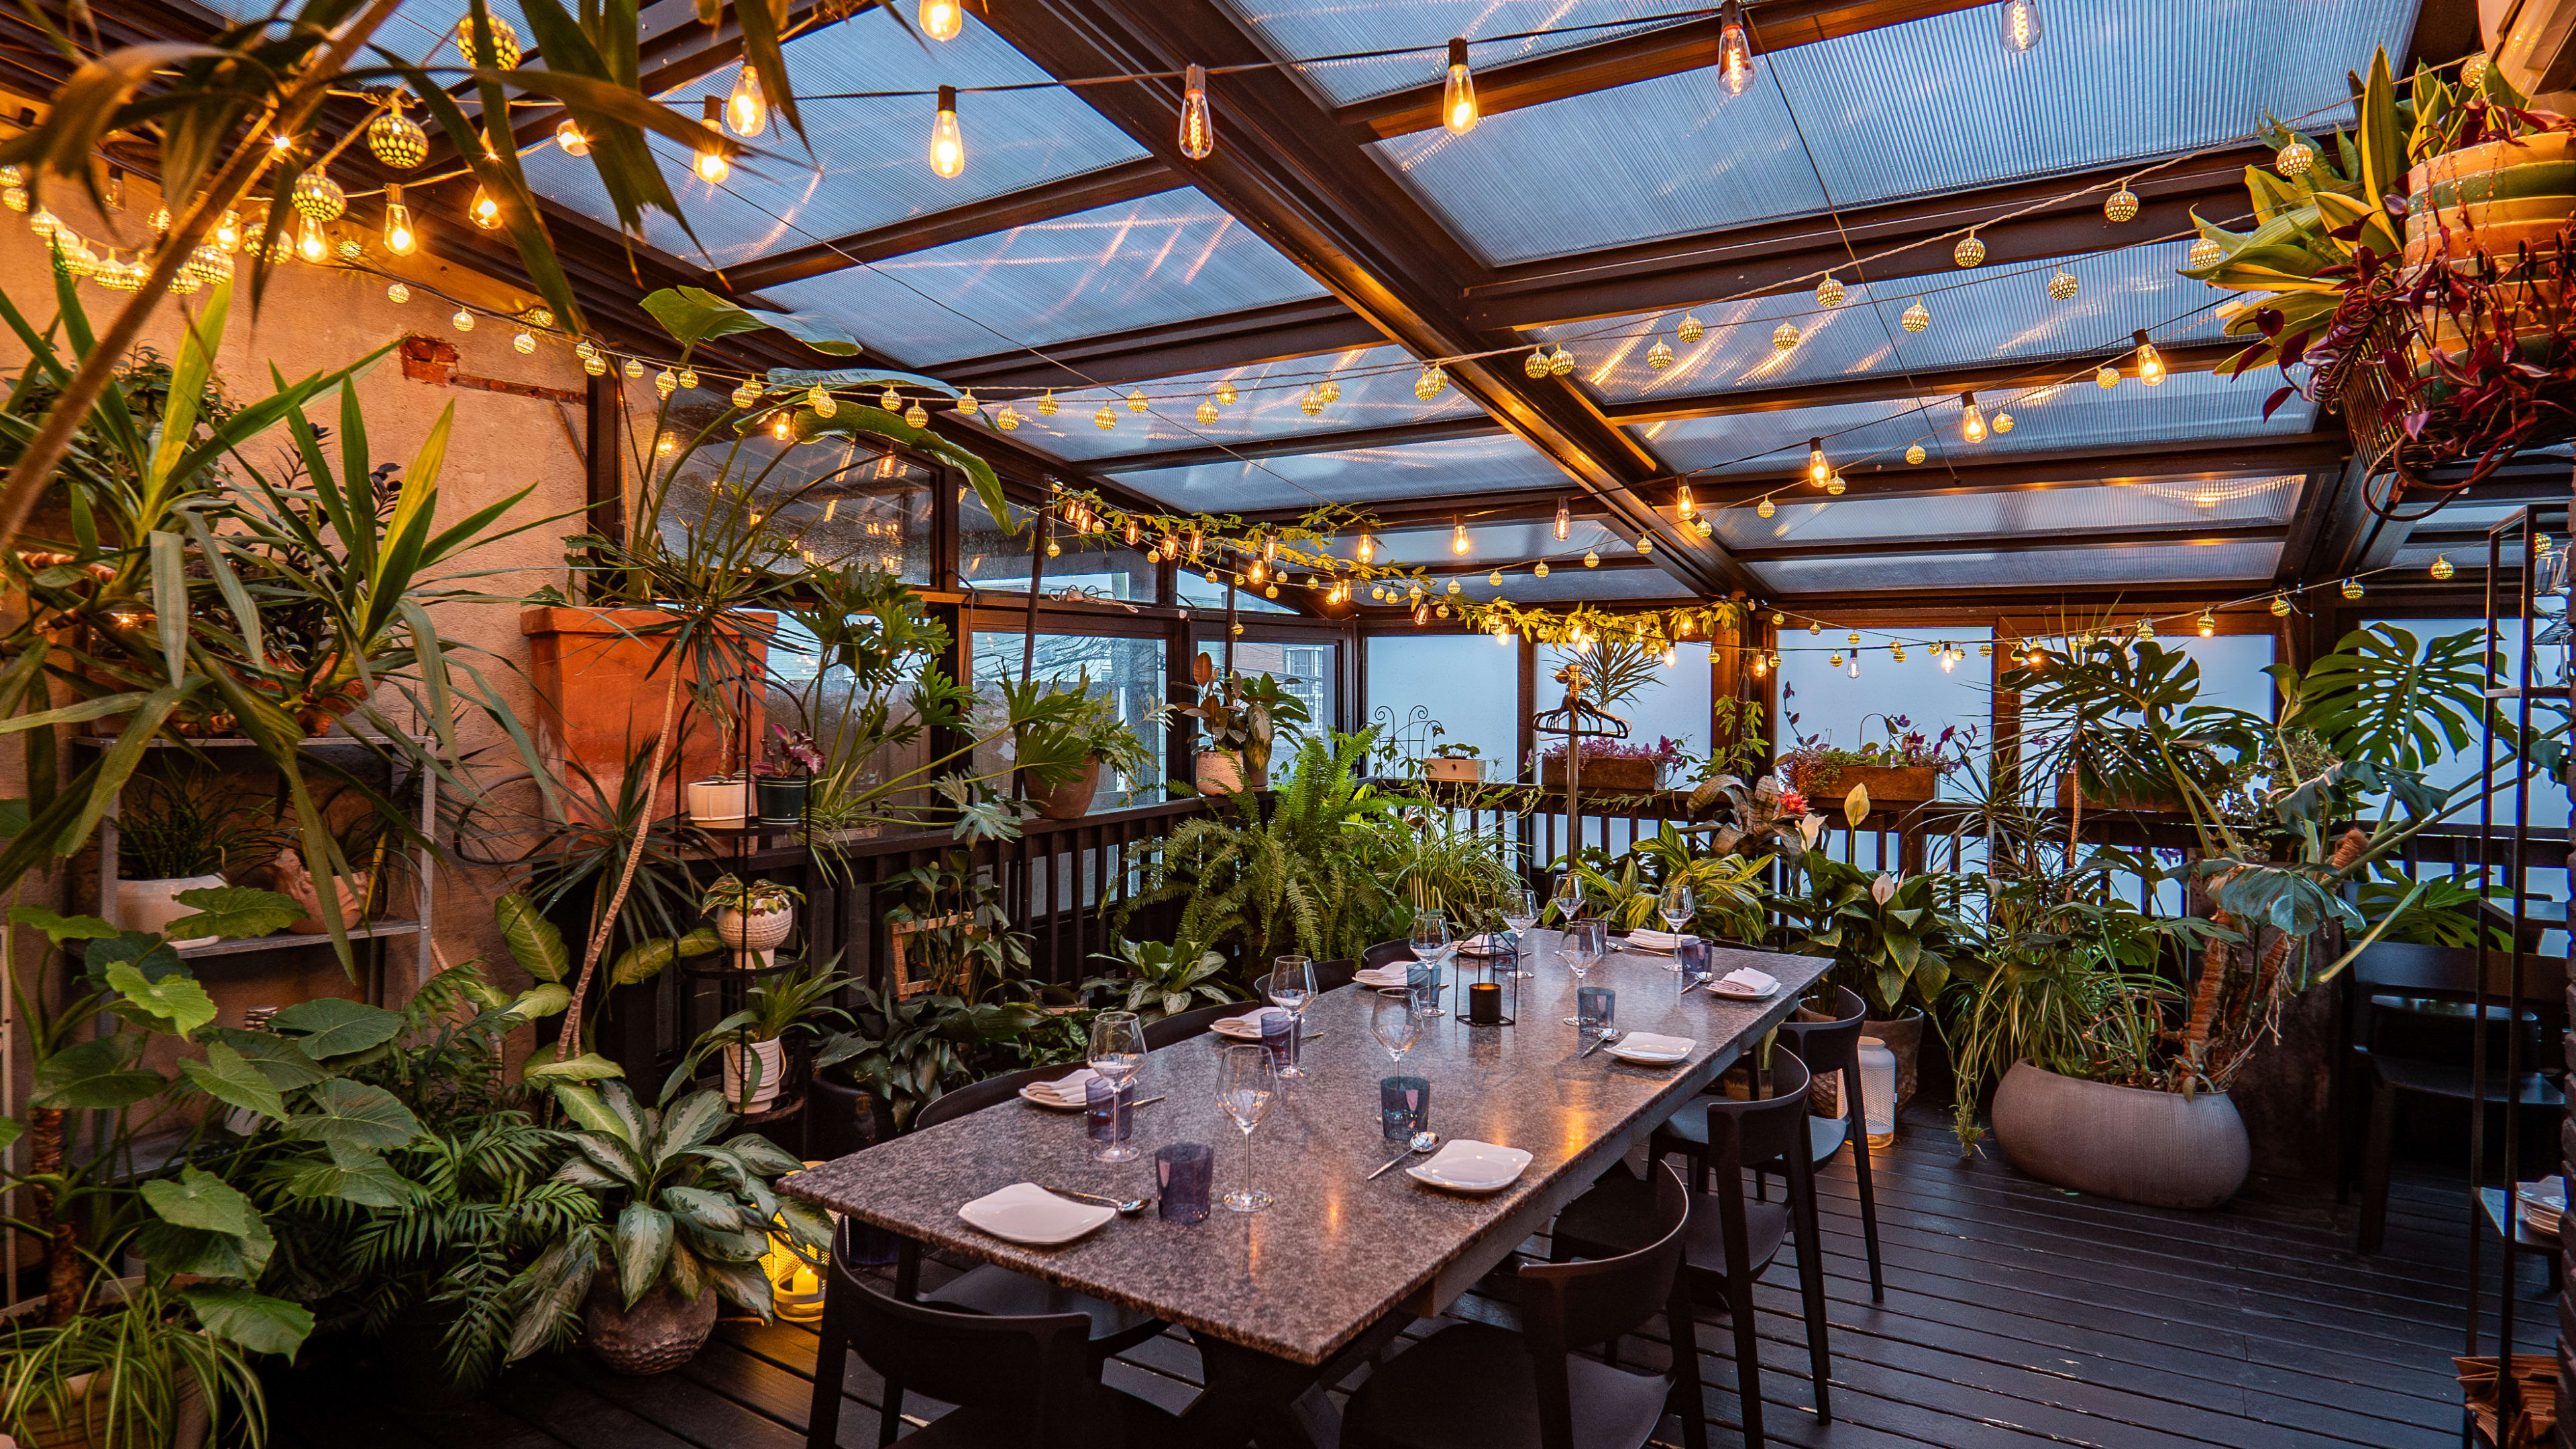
(1455,771)
(1620,774)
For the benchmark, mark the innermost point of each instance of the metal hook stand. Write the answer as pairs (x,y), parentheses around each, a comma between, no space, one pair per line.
(1577,721)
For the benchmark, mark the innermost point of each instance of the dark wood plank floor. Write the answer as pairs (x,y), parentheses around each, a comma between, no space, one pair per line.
(2016,1315)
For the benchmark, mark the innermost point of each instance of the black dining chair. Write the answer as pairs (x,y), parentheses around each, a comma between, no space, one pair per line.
(1164,1031)
(1336,974)
(1730,1239)
(1019,1380)
(989,1287)
(1479,1386)
(1386,953)
(1828,1048)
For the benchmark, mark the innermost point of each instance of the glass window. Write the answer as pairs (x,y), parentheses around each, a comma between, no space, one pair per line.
(1310,670)
(1823,703)
(1197,592)
(1463,683)
(1091,566)
(1127,671)
(2549,807)
(1674,705)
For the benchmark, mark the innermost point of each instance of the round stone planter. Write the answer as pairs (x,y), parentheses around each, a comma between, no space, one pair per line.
(661,1332)
(753,936)
(2157,1149)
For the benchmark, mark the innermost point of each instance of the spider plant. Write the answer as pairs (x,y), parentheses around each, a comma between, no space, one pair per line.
(127,1373)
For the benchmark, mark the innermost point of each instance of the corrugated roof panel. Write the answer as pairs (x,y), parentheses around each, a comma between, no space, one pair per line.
(1157,259)
(1873,436)
(1292,30)
(867,166)
(1496,545)
(1931,106)
(1992,315)
(2222,502)
(1358,475)
(1973,568)
(1376,384)
(1581,585)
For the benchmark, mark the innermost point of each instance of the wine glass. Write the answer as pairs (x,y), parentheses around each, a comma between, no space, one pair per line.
(1246,1083)
(1520,912)
(1290,986)
(1580,947)
(1118,1054)
(1395,1019)
(1432,946)
(1567,899)
(1678,906)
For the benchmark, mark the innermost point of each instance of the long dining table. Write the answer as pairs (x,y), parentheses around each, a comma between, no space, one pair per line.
(1282,1303)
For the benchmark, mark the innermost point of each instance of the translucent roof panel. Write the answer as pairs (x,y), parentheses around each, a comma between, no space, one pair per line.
(1376,384)
(1158,259)
(1993,315)
(1873,435)
(853,180)
(2227,502)
(1972,568)
(1355,475)
(1293,29)
(1501,545)
(1924,108)
(1580,584)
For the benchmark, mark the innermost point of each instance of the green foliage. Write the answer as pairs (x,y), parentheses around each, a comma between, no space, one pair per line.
(1162,980)
(1245,716)
(2382,699)
(1627,890)
(908,1050)
(1892,940)
(1058,731)
(125,1367)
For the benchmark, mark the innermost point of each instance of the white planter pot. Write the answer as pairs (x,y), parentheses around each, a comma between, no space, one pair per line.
(772,1056)
(149,905)
(720,802)
(755,935)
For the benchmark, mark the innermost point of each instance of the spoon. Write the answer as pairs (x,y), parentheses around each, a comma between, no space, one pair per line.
(1608,1035)
(1422,1142)
(1126,1206)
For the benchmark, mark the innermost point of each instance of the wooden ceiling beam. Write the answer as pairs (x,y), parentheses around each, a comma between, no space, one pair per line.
(1534,505)
(2188,461)
(1171,349)
(1295,444)
(1890,386)
(2052,540)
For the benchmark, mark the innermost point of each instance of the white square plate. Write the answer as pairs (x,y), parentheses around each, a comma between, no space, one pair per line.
(1470,1166)
(1027,1213)
(1648,1049)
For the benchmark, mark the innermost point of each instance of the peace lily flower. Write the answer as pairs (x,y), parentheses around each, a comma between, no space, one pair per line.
(1881,889)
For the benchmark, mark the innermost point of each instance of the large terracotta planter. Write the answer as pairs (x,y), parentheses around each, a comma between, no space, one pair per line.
(600,692)
(661,1332)
(1219,771)
(2158,1149)
(1617,775)
(1070,800)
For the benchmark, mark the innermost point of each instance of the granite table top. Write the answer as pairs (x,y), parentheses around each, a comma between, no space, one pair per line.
(1335,1252)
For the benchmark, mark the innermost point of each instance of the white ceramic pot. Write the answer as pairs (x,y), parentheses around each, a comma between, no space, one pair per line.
(720,802)
(772,1056)
(754,935)
(149,905)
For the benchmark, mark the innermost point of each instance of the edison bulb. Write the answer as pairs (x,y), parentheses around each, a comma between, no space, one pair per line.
(401,238)
(483,210)
(1198,128)
(947,142)
(1818,470)
(228,233)
(308,241)
(1458,537)
(568,136)
(712,166)
(942,19)
(1367,548)
(1564,521)
(1830,292)
(1734,54)
(1972,420)
(2019,25)
(1458,93)
(746,111)
(1917,317)
(2151,365)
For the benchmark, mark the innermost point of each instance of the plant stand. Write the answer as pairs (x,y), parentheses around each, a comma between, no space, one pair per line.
(1577,721)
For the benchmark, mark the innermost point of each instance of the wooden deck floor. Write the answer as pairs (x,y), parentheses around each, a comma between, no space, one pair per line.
(2016,1316)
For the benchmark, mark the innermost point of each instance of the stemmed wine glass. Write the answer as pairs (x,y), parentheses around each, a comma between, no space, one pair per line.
(1395,1019)
(1432,946)
(1290,986)
(1520,912)
(1118,1054)
(1246,1084)
(1678,906)
(1568,899)
(1580,947)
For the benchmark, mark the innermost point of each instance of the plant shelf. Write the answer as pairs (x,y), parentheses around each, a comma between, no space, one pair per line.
(282,941)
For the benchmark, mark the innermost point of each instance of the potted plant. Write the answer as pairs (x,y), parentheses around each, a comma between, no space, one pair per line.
(133,1368)
(1621,766)
(903,1051)
(177,835)
(788,761)
(754,1039)
(1891,938)
(751,917)
(1903,769)
(1454,763)
(1242,717)
(720,800)
(1161,980)
(1063,743)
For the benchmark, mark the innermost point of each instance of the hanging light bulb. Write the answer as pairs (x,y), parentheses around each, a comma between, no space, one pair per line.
(1312,404)
(1853,669)
(2146,631)
(1691,329)
(1764,509)
(1198,128)
(2020,25)
(2208,623)
(713,166)
(308,241)
(1453,586)
(318,196)
(1431,383)
(822,402)
(1539,569)
(2106,376)
(490,44)
(1853,639)
(1329,392)
(1136,400)
(2151,366)
(1198,542)
(463,321)
(1970,252)
(1896,653)
(401,238)
(1255,572)
(688,374)
(1046,403)
(2295,157)
(1834,660)
(745,394)
(1917,317)
(522,342)
(2205,253)
(1132,533)
(1734,51)
(2003,422)
(1495,578)
(2062,284)
(1367,548)
(569,137)
(1421,614)
(2474,70)
(1458,536)
(917,415)
(1830,292)
(1592,558)
(2442,566)
(1270,548)
(228,231)
(1105,420)
(396,139)
(1972,422)
(1818,470)
(1785,336)
(1207,412)
(1564,521)
(483,210)
(1535,365)
(947,143)
(595,365)
(1760,664)
(1008,419)
(1914,453)
(1659,356)
(2281,605)
(1835,485)
(2352,588)
(942,19)
(1225,394)
(746,111)
(1458,93)
(2120,205)
(666,382)
(1949,659)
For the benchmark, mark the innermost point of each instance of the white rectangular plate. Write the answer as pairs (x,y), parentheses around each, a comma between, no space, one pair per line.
(1027,1213)
(1470,1166)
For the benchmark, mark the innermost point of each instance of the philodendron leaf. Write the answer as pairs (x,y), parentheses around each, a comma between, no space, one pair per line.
(173,1003)
(199,1199)
(170,1248)
(59,929)
(277,1058)
(583,1106)
(354,1116)
(250,1318)
(364,1179)
(693,315)
(234,913)
(643,1241)
(233,1079)
(544,999)
(95,1074)
(334,1026)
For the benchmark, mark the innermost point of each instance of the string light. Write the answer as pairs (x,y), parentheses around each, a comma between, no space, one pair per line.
(947,142)
(1592,558)
(2062,285)
(482,210)
(1312,404)
(2442,566)
(1784,337)
(492,45)
(1972,422)
(1047,404)
(1830,292)
(401,237)
(1948,657)
(2120,205)
(2146,631)
(942,19)
(746,111)
(568,136)
(1682,508)
(2208,623)
(1970,252)
(2295,158)
(1691,329)
(2205,253)
(2281,605)
(2106,376)
(1458,537)
(1458,93)
(2003,422)
(1328,392)
(1564,521)
(463,321)
(1764,509)
(1534,366)
(1660,356)
(712,165)
(1818,470)
(1539,569)
(1198,128)
(1207,412)
(1734,51)
(2020,25)
(1367,548)
(1495,578)
(396,139)
(1435,381)
(1914,453)
(2352,588)
(1917,317)
(1225,394)
(1136,402)
(308,241)
(2151,366)
(523,343)
(821,402)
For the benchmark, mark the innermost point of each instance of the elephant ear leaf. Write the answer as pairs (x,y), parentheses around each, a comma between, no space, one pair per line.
(234,913)
(334,1026)
(693,315)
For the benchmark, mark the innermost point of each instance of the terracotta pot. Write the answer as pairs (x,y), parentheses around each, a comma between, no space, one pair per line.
(1887,784)
(1070,800)
(1457,772)
(661,1332)
(1904,1038)
(2158,1149)
(1613,775)
(293,881)
(149,905)
(1219,771)
(772,1056)
(600,693)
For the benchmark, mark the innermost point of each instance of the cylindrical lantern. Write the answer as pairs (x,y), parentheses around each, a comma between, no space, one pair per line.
(1878,1092)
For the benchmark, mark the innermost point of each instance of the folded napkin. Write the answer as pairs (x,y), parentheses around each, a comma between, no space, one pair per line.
(1072,1090)
(1748,980)
(1648,1044)
(1396,975)
(1248,1024)
(1655,940)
